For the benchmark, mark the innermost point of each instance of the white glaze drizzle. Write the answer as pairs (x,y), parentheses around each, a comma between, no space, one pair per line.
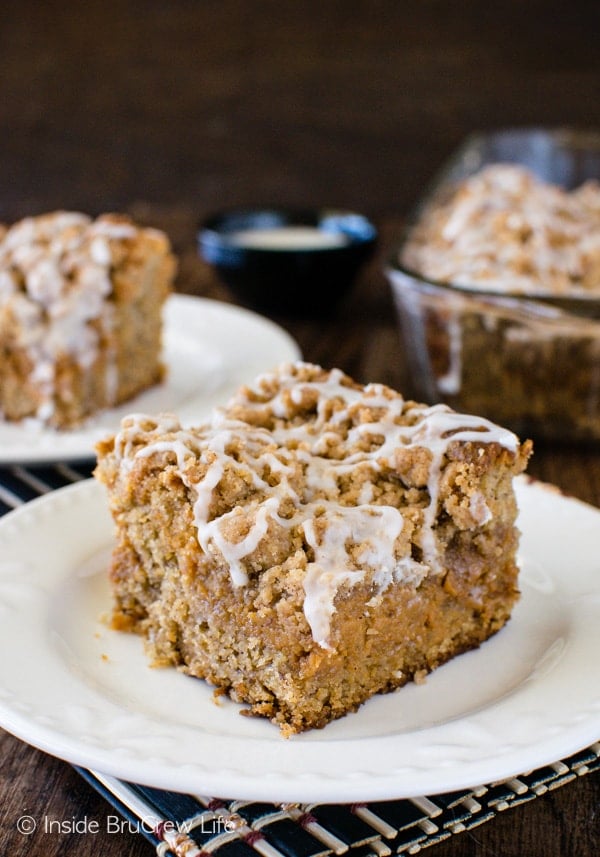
(369,426)
(505,230)
(373,531)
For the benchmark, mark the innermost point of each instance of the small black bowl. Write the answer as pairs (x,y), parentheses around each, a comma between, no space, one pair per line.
(288,261)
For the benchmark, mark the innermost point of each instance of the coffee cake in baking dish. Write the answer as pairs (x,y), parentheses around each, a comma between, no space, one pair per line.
(314,543)
(80,315)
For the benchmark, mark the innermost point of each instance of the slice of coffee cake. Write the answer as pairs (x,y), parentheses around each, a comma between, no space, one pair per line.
(313,544)
(80,314)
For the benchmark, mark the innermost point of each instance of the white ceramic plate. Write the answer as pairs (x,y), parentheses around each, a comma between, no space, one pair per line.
(210,349)
(71,686)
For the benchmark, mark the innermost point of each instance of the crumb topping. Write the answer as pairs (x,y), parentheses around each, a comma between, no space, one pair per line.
(505,230)
(309,460)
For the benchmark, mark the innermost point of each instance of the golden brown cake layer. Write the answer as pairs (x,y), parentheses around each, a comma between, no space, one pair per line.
(317,542)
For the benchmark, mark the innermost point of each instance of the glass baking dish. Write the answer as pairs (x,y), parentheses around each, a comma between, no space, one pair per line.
(531,363)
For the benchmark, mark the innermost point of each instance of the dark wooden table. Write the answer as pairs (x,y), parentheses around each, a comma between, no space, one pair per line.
(170,110)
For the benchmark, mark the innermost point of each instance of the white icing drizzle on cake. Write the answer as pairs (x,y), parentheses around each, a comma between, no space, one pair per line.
(505,230)
(374,529)
(348,428)
(55,289)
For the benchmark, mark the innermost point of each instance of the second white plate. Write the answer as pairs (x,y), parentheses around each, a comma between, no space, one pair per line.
(71,686)
(210,349)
